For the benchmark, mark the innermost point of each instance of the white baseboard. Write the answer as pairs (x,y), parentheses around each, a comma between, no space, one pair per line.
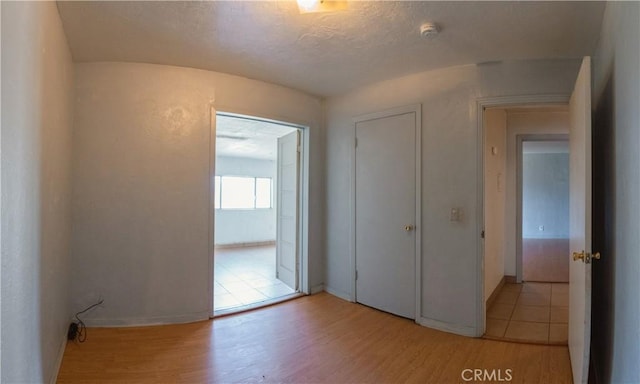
(494,294)
(339,294)
(317,289)
(58,364)
(457,329)
(244,245)
(142,321)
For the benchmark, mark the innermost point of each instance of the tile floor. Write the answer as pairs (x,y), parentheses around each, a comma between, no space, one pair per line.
(530,312)
(246,276)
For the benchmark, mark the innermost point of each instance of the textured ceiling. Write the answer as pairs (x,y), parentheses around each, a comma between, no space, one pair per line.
(545,147)
(332,53)
(241,137)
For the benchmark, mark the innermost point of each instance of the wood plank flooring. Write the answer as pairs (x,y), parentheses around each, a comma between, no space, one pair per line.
(545,260)
(314,339)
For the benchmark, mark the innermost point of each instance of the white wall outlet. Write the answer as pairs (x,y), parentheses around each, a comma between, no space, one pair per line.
(541,228)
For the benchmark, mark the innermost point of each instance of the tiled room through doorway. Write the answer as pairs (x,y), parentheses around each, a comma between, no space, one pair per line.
(246,276)
(530,313)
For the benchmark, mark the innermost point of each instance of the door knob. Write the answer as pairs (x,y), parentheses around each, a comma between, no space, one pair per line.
(586,257)
(578,256)
(408,228)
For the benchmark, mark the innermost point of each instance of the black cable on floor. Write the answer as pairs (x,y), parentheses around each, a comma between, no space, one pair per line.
(77,330)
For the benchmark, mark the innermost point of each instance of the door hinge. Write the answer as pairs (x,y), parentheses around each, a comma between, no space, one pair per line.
(356,274)
(299,149)
(482,234)
(356,142)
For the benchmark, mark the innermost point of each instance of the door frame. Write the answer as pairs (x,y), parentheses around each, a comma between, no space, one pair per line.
(481,105)
(303,200)
(417,110)
(519,191)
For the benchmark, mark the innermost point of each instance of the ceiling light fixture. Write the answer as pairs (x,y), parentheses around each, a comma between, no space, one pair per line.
(231,137)
(314,6)
(429,30)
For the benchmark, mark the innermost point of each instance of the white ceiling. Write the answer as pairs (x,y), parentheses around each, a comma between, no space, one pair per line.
(242,137)
(537,147)
(332,53)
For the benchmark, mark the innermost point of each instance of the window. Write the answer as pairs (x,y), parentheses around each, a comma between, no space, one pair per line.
(237,192)
(263,193)
(217,182)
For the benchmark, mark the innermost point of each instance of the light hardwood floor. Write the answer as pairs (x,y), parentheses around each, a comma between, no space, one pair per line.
(314,339)
(545,260)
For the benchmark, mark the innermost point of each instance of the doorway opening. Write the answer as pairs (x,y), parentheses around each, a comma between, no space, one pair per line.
(526,196)
(256,212)
(543,209)
(578,292)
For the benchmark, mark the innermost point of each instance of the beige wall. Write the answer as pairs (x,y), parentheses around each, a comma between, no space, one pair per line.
(141,185)
(37,115)
(495,165)
(520,122)
(450,144)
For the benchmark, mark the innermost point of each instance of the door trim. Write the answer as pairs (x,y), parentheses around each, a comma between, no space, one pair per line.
(481,105)
(417,110)
(519,140)
(212,207)
(303,200)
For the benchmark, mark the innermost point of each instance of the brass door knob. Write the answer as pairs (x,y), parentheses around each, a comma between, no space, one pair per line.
(586,257)
(578,256)
(408,228)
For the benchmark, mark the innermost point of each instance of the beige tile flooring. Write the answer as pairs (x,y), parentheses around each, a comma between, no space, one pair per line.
(530,313)
(246,276)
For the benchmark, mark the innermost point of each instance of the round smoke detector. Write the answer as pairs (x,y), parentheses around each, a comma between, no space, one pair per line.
(429,30)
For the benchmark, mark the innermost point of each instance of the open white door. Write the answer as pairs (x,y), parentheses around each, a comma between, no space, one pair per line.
(580,223)
(287,209)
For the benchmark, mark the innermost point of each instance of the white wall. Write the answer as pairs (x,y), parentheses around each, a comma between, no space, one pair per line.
(37,100)
(141,185)
(522,122)
(450,173)
(616,342)
(243,166)
(0,216)
(495,166)
(246,226)
(545,195)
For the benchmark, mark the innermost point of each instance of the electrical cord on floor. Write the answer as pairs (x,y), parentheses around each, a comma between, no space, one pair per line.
(77,330)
